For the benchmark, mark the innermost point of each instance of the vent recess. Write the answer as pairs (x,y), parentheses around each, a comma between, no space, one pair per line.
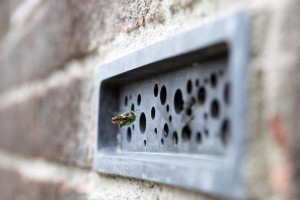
(189,93)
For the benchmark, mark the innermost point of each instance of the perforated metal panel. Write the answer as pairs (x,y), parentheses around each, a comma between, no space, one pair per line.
(189,93)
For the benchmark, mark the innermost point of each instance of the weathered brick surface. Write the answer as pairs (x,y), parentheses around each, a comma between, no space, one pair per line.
(48,125)
(4,17)
(13,186)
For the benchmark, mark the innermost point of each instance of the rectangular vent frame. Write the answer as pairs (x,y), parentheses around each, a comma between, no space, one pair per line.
(219,172)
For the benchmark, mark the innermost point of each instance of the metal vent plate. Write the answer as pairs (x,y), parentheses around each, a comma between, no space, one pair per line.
(189,93)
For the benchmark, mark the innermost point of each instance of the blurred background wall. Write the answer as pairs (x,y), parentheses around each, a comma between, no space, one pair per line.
(49,50)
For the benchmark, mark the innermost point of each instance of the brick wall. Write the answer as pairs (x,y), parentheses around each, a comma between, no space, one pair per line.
(49,51)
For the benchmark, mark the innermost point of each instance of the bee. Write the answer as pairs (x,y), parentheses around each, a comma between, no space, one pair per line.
(124,119)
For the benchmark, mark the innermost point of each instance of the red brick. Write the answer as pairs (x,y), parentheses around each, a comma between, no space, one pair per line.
(67,30)
(48,125)
(14,186)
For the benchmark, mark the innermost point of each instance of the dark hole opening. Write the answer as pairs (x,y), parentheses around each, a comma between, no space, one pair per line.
(155,130)
(213,80)
(132,107)
(186,134)
(162,141)
(225,132)
(199,138)
(163,95)
(139,100)
(126,100)
(202,95)
(128,134)
(145,142)
(167,108)
(178,101)
(152,112)
(142,122)
(175,138)
(215,108)
(227,93)
(189,86)
(170,118)
(155,90)
(166,130)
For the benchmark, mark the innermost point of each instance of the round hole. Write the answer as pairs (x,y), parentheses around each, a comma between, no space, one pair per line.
(139,99)
(155,90)
(175,138)
(155,130)
(126,100)
(198,138)
(178,101)
(213,80)
(186,134)
(152,112)
(162,141)
(189,86)
(166,130)
(202,95)
(132,107)
(170,118)
(145,142)
(189,111)
(227,93)
(225,132)
(206,132)
(167,108)
(193,101)
(128,134)
(215,108)
(142,122)
(197,82)
(163,95)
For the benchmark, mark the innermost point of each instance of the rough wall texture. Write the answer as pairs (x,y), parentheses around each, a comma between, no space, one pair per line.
(49,51)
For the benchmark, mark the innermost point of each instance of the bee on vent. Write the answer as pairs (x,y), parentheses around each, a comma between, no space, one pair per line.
(124,119)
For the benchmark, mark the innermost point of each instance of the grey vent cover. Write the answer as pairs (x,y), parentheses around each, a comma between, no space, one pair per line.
(190,95)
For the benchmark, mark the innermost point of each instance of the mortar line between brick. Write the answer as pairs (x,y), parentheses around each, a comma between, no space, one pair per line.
(72,70)
(42,170)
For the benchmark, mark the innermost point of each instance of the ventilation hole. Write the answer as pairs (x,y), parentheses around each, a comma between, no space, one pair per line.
(193,101)
(155,130)
(198,138)
(213,80)
(225,132)
(128,134)
(145,142)
(227,93)
(202,95)
(163,95)
(139,100)
(175,138)
(178,101)
(197,82)
(170,118)
(155,90)
(143,122)
(167,108)
(205,116)
(162,141)
(152,112)
(132,126)
(132,107)
(166,130)
(189,86)
(189,111)
(186,134)
(206,132)
(215,108)
(126,100)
